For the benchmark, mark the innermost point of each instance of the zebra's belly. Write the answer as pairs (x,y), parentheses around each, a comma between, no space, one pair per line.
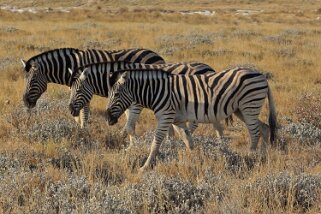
(194,116)
(201,114)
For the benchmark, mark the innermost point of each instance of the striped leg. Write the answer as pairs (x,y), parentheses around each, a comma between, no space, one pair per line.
(170,133)
(77,120)
(219,130)
(163,123)
(83,116)
(132,115)
(192,126)
(255,128)
(264,130)
(185,135)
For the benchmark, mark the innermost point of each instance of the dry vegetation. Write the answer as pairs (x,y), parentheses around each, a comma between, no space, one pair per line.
(48,166)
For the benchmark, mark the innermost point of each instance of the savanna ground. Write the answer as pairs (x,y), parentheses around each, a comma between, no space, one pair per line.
(48,166)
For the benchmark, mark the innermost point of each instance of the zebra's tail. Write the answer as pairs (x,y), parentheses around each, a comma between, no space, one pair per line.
(272,118)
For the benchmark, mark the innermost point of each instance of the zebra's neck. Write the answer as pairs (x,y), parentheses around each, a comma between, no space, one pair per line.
(54,64)
(150,89)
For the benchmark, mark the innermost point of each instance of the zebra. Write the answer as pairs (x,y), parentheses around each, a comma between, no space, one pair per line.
(92,82)
(52,67)
(207,98)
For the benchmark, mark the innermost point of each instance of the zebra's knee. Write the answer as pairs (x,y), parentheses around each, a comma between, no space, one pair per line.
(170,132)
(192,126)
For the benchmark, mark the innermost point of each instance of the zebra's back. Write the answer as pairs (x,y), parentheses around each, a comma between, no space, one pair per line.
(214,97)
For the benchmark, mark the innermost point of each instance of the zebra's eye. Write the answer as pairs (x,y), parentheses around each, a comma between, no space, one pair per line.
(116,94)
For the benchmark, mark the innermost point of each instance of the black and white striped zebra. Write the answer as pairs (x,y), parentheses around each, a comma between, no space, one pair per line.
(207,98)
(93,81)
(52,67)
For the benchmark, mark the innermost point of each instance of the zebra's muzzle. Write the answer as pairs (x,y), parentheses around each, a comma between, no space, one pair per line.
(74,111)
(28,102)
(111,119)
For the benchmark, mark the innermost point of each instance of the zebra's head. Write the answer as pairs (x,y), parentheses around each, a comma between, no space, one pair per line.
(35,83)
(81,92)
(120,98)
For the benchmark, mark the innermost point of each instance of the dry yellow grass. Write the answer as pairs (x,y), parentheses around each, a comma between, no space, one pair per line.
(284,39)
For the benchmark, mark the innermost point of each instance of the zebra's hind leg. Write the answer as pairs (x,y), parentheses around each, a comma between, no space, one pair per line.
(163,124)
(132,115)
(264,129)
(255,128)
(185,135)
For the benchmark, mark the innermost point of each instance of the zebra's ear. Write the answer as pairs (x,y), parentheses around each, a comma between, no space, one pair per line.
(123,77)
(23,63)
(84,74)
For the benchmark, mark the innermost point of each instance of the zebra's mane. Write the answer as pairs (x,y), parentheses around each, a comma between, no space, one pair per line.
(77,71)
(98,63)
(115,75)
(28,63)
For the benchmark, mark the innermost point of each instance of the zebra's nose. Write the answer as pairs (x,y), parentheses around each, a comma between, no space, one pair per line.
(26,99)
(28,102)
(107,114)
(71,107)
(73,110)
(111,119)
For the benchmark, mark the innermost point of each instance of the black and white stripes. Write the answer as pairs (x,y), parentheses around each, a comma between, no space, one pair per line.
(207,98)
(52,67)
(94,80)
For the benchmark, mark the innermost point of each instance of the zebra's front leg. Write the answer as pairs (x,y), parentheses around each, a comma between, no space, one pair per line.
(132,115)
(192,126)
(219,130)
(77,120)
(185,135)
(170,133)
(83,116)
(163,124)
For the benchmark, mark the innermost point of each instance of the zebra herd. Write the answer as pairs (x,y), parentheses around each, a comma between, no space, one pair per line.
(181,94)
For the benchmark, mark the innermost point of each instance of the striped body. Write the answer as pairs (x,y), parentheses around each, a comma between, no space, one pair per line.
(207,98)
(52,67)
(212,98)
(94,81)
(99,72)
